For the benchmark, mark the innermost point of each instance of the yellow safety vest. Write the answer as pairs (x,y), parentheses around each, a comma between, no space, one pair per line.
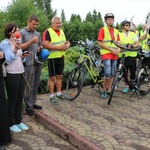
(107,40)
(127,40)
(56,40)
(142,41)
(145,47)
(137,33)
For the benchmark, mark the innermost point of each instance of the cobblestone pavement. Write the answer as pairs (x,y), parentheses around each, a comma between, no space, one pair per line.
(38,138)
(90,124)
(123,125)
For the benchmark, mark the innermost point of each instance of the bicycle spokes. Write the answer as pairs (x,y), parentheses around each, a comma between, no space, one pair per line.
(74,83)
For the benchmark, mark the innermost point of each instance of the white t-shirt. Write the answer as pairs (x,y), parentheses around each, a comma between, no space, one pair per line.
(16,67)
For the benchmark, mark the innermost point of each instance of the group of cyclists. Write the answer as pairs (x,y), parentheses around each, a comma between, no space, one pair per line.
(111,54)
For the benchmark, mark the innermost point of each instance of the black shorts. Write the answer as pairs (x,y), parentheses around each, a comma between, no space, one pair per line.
(55,66)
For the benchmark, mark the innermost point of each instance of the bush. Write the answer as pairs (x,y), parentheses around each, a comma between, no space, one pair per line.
(71,59)
(42,89)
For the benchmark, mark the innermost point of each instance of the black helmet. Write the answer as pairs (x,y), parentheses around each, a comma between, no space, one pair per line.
(109,15)
(124,22)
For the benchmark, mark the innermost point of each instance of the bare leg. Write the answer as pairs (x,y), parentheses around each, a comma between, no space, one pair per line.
(58,83)
(51,83)
(110,83)
(105,83)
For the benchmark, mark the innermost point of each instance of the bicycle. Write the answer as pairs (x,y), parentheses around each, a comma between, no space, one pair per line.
(142,76)
(88,62)
(143,70)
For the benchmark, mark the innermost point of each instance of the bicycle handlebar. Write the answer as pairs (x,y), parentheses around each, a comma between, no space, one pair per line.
(143,54)
(81,43)
(88,47)
(125,47)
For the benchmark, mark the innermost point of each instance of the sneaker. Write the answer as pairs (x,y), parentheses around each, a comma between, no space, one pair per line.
(62,96)
(108,92)
(37,106)
(126,90)
(22,126)
(30,112)
(104,95)
(53,100)
(133,90)
(14,128)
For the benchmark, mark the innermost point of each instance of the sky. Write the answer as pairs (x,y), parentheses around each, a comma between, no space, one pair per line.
(120,8)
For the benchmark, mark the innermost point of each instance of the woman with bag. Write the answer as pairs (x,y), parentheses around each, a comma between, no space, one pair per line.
(5,137)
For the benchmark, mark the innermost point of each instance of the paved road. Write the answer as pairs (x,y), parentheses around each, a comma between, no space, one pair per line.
(90,124)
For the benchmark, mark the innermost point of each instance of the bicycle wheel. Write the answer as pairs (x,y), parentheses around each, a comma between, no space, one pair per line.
(114,86)
(75,83)
(143,80)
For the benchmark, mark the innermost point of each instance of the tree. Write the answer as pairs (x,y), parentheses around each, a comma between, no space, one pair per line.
(19,11)
(75,17)
(3,18)
(74,31)
(89,17)
(94,16)
(87,31)
(97,22)
(63,17)
(19,14)
(50,13)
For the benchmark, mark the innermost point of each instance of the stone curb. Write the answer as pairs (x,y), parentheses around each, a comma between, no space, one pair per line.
(75,139)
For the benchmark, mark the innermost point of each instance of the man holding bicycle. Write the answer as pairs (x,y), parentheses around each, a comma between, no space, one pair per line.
(108,51)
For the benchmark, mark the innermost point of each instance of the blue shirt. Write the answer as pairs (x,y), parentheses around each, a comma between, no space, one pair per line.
(6,48)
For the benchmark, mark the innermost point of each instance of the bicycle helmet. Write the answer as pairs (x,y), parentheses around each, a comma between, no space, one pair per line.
(42,56)
(109,15)
(125,22)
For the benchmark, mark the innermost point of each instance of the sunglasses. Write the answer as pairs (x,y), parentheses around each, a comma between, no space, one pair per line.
(127,25)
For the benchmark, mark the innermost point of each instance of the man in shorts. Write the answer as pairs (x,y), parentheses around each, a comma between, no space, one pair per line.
(55,41)
(108,51)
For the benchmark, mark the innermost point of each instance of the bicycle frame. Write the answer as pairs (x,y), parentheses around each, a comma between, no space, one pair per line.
(86,64)
(122,69)
(142,77)
(89,66)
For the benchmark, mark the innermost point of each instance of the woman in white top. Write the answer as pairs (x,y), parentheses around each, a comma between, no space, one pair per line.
(14,81)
